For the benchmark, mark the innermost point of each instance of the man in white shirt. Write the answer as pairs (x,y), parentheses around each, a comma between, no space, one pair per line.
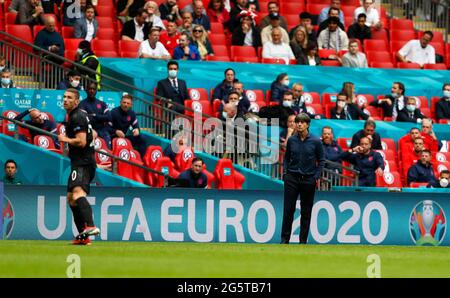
(354,58)
(276,48)
(372,15)
(152,48)
(275,22)
(418,51)
(136,28)
(333,37)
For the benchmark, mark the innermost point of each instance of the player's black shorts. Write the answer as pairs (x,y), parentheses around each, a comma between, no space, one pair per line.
(81,176)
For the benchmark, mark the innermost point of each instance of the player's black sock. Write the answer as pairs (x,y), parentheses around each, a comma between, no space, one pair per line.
(85,211)
(77,218)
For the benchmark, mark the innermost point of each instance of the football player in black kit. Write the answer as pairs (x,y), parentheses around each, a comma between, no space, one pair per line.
(79,137)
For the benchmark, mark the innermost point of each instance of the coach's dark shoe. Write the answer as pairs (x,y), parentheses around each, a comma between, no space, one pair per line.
(284,242)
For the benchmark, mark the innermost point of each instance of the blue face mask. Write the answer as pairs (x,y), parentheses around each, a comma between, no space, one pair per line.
(410,108)
(287,103)
(394,95)
(224,115)
(446,93)
(6,81)
(173,73)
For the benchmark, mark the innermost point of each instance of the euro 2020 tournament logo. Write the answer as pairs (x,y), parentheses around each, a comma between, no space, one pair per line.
(427,224)
(8,218)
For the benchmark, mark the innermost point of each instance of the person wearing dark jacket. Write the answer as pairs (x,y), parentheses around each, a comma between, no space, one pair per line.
(368,162)
(281,111)
(443,182)
(346,111)
(233,23)
(422,170)
(331,148)
(72,81)
(311,57)
(173,88)
(333,12)
(31,13)
(98,113)
(38,121)
(87,58)
(410,113)
(226,86)
(443,105)
(124,124)
(279,86)
(194,178)
(368,131)
(392,103)
(49,39)
(246,34)
(129,31)
(359,30)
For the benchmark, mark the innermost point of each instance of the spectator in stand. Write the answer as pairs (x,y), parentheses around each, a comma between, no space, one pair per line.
(170,37)
(87,26)
(49,39)
(354,58)
(199,17)
(6,79)
(173,89)
(10,173)
(246,34)
(287,133)
(127,9)
(244,102)
(169,11)
(324,12)
(410,157)
(281,111)
(279,86)
(152,48)
(73,10)
(444,178)
(443,105)
(369,132)
(305,22)
(276,48)
(73,81)
(422,170)
(184,50)
(15,5)
(4,64)
(234,14)
(137,28)
(299,102)
(273,8)
(359,29)
(235,99)
(187,23)
(333,37)
(226,86)
(201,41)
(98,113)
(31,13)
(410,112)
(311,57)
(430,139)
(406,143)
(333,12)
(331,148)
(368,162)
(179,142)
(124,124)
(266,33)
(392,103)
(230,112)
(38,121)
(418,51)
(346,110)
(193,177)
(154,16)
(191,8)
(372,15)
(217,13)
(299,43)
(87,58)
(348,88)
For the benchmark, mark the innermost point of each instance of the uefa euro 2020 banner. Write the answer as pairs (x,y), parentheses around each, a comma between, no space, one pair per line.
(133,214)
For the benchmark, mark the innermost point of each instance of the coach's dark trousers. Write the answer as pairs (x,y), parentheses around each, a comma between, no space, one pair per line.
(295,185)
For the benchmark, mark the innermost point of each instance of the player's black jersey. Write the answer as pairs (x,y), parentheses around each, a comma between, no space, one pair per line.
(79,122)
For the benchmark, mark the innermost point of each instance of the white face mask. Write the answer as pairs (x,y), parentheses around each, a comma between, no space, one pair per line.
(75,83)
(447,94)
(6,81)
(443,182)
(173,73)
(286,82)
(410,108)
(341,104)
(80,51)
(224,115)
(394,95)
(287,103)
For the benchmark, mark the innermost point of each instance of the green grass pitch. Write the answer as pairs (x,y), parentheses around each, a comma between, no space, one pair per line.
(196,260)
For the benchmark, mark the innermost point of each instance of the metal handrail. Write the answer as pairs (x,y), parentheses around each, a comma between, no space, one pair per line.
(47,133)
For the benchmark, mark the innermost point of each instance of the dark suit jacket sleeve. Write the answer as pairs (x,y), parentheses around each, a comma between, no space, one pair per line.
(376,142)
(79,30)
(183,89)
(333,114)
(355,141)
(128,29)
(360,113)
(238,37)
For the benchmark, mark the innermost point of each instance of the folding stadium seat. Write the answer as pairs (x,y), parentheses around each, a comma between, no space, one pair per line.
(418,184)
(201,106)
(437,66)
(439,48)
(318,1)
(388,144)
(389,179)
(442,156)
(329,98)
(242,51)
(255,95)
(120,143)
(255,106)
(128,55)
(314,108)
(334,63)
(8,128)
(164,165)
(45,142)
(215,107)
(375,45)
(105,22)
(273,61)
(107,54)
(381,65)
(183,159)
(246,59)
(363,100)
(292,8)
(67,32)
(325,53)
(373,112)
(218,58)
(350,2)
(220,50)
(103,45)
(263,10)
(47,116)
(311,97)
(378,56)
(99,143)
(105,11)
(72,43)
(315,9)
(387,154)
(291,19)
(10,18)
(22,32)
(218,39)
(349,11)
(217,28)
(103,159)
(226,176)
(127,170)
(106,34)
(198,94)
(380,35)
(390,166)
(403,35)
(344,143)
(401,24)
(408,65)
(441,166)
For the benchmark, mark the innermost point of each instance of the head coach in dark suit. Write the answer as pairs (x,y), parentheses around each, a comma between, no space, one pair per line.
(173,88)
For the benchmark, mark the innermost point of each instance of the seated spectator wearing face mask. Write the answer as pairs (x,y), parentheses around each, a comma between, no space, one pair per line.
(443,182)
(279,86)
(345,110)
(6,81)
(73,81)
(410,113)
(443,105)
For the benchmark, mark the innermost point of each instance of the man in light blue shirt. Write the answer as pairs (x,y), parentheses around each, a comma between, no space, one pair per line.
(324,12)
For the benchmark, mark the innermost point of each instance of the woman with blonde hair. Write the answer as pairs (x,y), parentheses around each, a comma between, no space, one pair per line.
(299,42)
(200,39)
(348,88)
(154,15)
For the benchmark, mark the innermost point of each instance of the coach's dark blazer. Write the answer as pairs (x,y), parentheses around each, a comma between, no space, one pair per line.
(165,89)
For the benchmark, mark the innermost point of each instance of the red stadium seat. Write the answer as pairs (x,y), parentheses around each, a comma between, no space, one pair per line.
(437,66)
(389,179)
(255,106)
(105,11)
(105,22)
(373,112)
(103,45)
(127,170)
(255,95)
(22,32)
(106,34)
(381,65)
(120,143)
(408,65)
(329,98)
(226,176)
(388,144)
(315,109)
(183,159)
(311,97)
(363,100)
(442,156)
(396,45)
(402,24)
(152,154)
(292,8)
(292,20)
(334,63)
(349,11)
(99,143)
(129,46)
(107,54)
(217,28)
(67,32)
(216,105)
(218,39)
(380,35)
(378,56)
(246,59)
(164,165)
(103,159)
(200,106)
(387,154)
(10,18)
(403,35)
(8,128)
(273,61)
(375,45)
(220,50)
(315,9)
(390,166)
(325,53)
(71,44)
(218,58)
(242,51)
(45,142)
(418,184)
(198,94)
(128,54)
